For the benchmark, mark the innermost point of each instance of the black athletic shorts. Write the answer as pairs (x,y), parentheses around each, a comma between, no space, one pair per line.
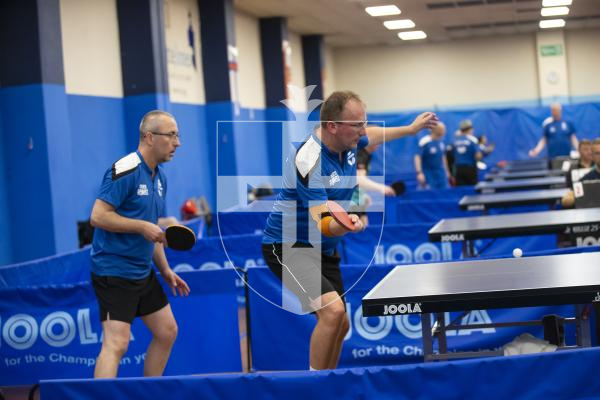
(466,175)
(306,274)
(124,299)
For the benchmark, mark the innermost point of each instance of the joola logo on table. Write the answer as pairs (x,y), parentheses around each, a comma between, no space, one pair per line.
(597,298)
(393,309)
(455,237)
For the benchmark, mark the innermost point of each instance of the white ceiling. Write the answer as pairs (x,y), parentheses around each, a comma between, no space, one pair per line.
(345,22)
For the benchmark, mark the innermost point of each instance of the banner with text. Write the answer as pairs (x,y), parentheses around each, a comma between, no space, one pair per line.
(54,332)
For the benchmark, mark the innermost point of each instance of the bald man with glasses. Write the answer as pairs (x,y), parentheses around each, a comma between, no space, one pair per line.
(126,241)
(300,238)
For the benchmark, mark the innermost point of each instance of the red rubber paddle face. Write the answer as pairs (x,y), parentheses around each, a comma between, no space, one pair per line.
(340,215)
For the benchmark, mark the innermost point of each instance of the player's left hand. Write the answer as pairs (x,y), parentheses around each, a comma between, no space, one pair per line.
(426,120)
(176,283)
(358,225)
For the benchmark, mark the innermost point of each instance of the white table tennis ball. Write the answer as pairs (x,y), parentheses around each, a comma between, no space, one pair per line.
(517,252)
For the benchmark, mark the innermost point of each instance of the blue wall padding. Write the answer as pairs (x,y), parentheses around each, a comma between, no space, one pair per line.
(99,139)
(60,168)
(134,109)
(189,173)
(28,175)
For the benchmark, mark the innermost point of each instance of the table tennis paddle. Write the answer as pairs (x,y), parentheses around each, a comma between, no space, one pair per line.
(399,187)
(339,215)
(180,237)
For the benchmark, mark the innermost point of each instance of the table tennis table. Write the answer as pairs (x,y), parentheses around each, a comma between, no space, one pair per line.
(525,165)
(521,184)
(483,202)
(571,222)
(507,175)
(433,289)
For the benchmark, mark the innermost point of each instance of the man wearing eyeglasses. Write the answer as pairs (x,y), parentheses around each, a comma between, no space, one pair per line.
(300,238)
(126,240)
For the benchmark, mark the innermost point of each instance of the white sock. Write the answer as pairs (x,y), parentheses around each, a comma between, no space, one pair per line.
(310,368)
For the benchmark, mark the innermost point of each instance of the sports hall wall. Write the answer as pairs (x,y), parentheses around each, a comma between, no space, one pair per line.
(488,72)
(59,134)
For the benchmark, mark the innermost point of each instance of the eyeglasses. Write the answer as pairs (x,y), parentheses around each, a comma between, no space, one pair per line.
(172,135)
(355,125)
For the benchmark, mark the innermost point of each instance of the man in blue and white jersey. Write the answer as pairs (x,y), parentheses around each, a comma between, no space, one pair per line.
(466,153)
(300,238)
(558,134)
(430,162)
(126,241)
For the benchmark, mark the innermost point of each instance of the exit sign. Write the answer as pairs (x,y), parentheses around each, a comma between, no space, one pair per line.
(550,50)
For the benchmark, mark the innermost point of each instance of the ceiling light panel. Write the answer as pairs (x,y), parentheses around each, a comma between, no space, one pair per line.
(381,11)
(399,24)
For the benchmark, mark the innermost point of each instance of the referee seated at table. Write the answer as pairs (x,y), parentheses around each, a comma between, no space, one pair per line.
(586,160)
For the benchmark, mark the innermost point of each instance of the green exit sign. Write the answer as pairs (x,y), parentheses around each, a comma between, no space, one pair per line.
(549,50)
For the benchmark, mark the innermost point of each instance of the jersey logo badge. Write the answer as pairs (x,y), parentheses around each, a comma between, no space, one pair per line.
(334,178)
(159,187)
(351,158)
(142,190)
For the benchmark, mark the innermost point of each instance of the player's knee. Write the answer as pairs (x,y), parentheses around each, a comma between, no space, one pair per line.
(117,345)
(168,332)
(335,313)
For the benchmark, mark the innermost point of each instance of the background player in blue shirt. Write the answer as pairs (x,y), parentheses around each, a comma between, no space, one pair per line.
(466,153)
(558,134)
(126,240)
(430,163)
(300,239)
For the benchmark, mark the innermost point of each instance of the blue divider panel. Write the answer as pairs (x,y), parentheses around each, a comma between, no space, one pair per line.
(400,244)
(54,331)
(65,268)
(564,375)
(239,251)
(373,340)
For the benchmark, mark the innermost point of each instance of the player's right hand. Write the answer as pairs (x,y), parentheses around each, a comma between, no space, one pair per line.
(388,191)
(358,224)
(426,120)
(153,233)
